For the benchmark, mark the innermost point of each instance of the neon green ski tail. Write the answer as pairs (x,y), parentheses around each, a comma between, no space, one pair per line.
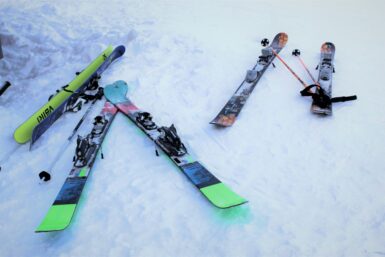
(24,132)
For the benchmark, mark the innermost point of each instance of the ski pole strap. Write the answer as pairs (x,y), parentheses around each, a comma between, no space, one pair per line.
(307,92)
(320,97)
(344,98)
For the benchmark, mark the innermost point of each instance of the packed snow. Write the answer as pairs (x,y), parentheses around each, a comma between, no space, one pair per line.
(315,185)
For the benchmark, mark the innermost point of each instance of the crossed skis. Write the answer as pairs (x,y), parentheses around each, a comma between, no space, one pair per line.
(166,138)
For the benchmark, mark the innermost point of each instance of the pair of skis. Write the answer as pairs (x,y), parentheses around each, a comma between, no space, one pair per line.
(322,97)
(62,210)
(70,97)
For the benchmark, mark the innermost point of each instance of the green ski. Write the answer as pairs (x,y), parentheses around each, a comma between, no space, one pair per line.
(62,210)
(24,132)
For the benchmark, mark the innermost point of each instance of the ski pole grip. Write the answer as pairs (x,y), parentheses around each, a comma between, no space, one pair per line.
(349,98)
(5,87)
(344,98)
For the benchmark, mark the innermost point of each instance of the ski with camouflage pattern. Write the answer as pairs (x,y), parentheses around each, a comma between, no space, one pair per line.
(166,138)
(326,69)
(227,116)
(60,214)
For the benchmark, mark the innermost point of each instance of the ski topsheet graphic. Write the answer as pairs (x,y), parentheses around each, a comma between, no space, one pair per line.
(167,139)
(72,100)
(62,210)
(24,132)
(226,117)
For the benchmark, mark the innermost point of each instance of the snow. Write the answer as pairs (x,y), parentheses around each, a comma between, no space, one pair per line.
(315,185)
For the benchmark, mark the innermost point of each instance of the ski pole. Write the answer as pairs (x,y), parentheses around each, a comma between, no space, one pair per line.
(69,139)
(297,53)
(288,67)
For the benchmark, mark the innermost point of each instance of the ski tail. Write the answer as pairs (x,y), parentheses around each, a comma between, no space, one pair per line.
(224,120)
(219,194)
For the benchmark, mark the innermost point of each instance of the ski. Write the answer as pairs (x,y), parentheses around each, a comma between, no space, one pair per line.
(68,105)
(166,138)
(24,132)
(98,96)
(226,117)
(321,99)
(326,69)
(63,208)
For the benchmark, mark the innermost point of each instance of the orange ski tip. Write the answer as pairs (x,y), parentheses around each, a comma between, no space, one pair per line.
(327,47)
(283,38)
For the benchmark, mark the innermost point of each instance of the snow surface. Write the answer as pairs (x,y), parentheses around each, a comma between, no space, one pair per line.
(315,185)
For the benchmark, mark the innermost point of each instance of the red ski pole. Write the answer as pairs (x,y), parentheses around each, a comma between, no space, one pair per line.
(288,67)
(297,53)
(292,72)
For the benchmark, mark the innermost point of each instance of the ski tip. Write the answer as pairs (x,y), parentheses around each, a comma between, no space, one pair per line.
(121,49)
(116,92)
(328,47)
(282,39)
(279,40)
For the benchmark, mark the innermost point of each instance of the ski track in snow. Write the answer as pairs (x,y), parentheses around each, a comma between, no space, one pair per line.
(315,185)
